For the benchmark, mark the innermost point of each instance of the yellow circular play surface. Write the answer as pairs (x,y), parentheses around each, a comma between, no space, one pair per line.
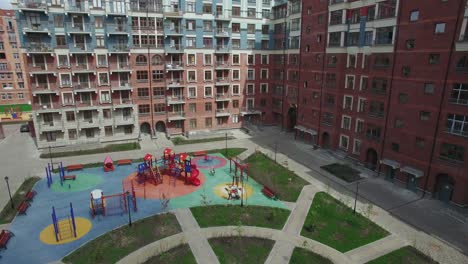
(220,190)
(83,226)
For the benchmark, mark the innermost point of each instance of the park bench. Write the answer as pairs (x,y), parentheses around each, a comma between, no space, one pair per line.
(74,167)
(30,195)
(200,153)
(23,207)
(124,162)
(69,177)
(268,193)
(5,235)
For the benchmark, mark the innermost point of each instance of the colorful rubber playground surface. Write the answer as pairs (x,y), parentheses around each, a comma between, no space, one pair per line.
(34,240)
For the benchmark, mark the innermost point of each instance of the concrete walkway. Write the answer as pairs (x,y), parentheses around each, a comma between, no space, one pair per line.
(376,249)
(199,245)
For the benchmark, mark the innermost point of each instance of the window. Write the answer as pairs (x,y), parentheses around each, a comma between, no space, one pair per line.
(192,107)
(399,123)
(208,122)
(361,105)
(429,88)
(158,92)
(20,95)
(332,60)
(108,131)
(191,59)
(235,89)
(364,83)
(452,152)
(70,115)
(103,78)
(419,142)
(208,91)
(235,74)
(105,97)
(207,9)
(191,76)
(192,92)
(250,89)
(208,75)
(207,26)
(235,104)
(250,74)
(344,141)
(346,122)
(107,113)
(439,28)
(264,59)
(348,102)
(207,59)
(352,61)
(235,59)
(357,146)
(264,74)
(208,107)
(264,88)
(459,94)
(160,108)
(349,82)
(250,59)
(190,25)
(235,27)
(434,58)
(143,109)
(193,123)
(424,115)
(72,134)
(141,60)
(251,28)
(405,71)
(251,12)
(359,125)
(235,119)
(142,76)
(143,92)
(403,98)
(410,44)
(457,124)
(414,15)
(396,147)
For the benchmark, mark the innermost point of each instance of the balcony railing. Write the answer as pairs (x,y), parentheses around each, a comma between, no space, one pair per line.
(41,67)
(175,65)
(333,2)
(43,86)
(174,48)
(79,27)
(120,48)
(175,99)
(173,30)
(84,86)
(222,80)
(223,32)
(83,67)
(38,47)
(377,114)
(37,27)
(77,7)
(32,4)
(120,66)
(153,8)
(116,29)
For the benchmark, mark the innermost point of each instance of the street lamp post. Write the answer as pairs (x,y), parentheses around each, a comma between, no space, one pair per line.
(355,197)
(128,208)
(9,192)
(50,156)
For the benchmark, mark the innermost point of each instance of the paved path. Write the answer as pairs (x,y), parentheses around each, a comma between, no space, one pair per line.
(375,249)
(199,245)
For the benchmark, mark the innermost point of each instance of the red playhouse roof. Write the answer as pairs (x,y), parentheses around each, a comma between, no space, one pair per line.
(183,156)
(167,151)
(148,157)
(107,160)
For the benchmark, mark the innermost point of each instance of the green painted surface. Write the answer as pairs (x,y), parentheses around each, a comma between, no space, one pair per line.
(222,175)
(84,181)
(22,107)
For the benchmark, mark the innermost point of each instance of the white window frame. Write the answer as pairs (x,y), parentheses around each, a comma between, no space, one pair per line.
(188,73)
(188,92)
(204,59)
(341,141)
(343,117)
(204,92)
(346,80)
(267,73)
(247,59)
(204,71)
(232,74)
(354,146)
(61,81)
(348,63)
(356,124)
(235,119)
(195,61)
(63,98)
(267,58)
(232,89)
(442,26)
(253,75)
(100,96)
(264,84)
(247,88)
(344,101)
(361,82)
(232,59)
(99,78)
(360,99)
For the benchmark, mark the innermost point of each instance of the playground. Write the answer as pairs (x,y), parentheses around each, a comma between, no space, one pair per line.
(68,208)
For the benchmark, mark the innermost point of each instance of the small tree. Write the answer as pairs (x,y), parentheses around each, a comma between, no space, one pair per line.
(164,203)
(204,198)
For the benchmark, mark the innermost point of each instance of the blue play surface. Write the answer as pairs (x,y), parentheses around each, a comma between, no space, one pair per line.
(26,247)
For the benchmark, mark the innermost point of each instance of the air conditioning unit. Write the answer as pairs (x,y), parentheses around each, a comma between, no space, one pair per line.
(44,107)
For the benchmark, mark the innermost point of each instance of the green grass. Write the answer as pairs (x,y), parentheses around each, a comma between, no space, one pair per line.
(343,172)
(112,246)
(224,215)
(182,141)
(180,255)
(7,214)
(245,250)
(23,107)
(231,152)
(404,255)
(285,183)
(332,223)
(106,149)
(300,256)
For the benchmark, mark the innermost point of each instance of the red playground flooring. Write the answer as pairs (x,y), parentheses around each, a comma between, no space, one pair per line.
(167,187)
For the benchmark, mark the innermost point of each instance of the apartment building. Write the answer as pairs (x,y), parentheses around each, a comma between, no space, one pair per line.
(388,88)
(14,93)
(106,70)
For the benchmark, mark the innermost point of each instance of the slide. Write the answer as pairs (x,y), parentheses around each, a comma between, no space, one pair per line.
(193,179)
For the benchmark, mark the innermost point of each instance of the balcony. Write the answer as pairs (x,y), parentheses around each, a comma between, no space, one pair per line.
(117,29)
(121,86)
(222,81)
(79,28)
(87,104)
(223,32)
(37,28)
(44,88)
(124,120)
(171,11)
(222,49)
(222,97)
(175,116)
(85,87)
(32,5)
(250,111)
(77,7)
(222,112)
(83,68)
(174,83)
(119,48)
(458,101)
(334,2)
(174,31)
(172,100)
(223,65)
(79,48)
(377,114)
(126,102)
(35,47)
(50,126)
(88,123)
(175,66)
(123,66)
(223,15)
(41,68)
(116,8)
(153,8)
(373,137)
(176,48)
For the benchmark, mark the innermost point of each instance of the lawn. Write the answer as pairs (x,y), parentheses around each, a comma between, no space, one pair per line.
(343,172)
(300,256)
(106,149)
(7,214)
(243,250)
(285,183)
(224,215)
(183,141)
(332,223)
(231,152)
(404,255)
(180,255)
(120,242)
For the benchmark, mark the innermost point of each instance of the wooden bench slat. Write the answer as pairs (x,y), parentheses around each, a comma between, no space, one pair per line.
(124,162)
(75,167)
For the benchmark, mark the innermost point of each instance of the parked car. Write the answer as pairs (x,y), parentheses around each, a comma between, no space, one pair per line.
(24,128)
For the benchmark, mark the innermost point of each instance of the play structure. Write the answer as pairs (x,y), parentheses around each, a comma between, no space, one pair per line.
(108,164)
(147,172)
(176,164)
(238,167)
(62,176)
(64,225)
(113,204)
